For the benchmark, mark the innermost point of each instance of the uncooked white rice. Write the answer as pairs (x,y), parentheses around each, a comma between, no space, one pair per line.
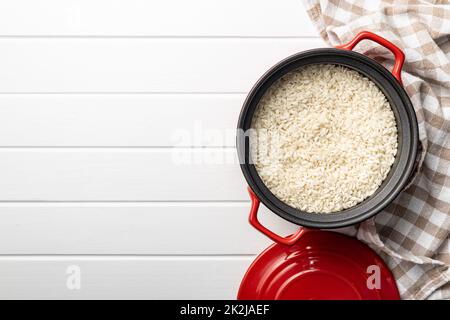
(325,139)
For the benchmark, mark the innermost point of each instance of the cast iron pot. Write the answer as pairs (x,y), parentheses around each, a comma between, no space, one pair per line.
(402,169)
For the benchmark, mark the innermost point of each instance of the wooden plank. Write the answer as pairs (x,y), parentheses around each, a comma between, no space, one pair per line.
(40,120)
(121,278)
(139,228)
(154,18)
(166,174)
(140,65)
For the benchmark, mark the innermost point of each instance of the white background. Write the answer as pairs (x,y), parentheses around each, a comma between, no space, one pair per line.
(92,94)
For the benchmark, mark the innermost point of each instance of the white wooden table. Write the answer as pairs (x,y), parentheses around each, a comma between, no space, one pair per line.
(98,100)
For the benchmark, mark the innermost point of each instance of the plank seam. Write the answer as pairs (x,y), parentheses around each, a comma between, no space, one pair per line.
(169,37)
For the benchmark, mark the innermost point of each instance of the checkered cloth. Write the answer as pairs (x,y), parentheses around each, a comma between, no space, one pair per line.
(412,234)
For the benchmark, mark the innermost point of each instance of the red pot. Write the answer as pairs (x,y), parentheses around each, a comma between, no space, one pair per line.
(315,264)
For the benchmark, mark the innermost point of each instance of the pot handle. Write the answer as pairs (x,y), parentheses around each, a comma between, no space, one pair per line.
(288,241)
(398,54)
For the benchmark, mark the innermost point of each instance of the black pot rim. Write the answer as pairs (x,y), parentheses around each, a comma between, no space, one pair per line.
(406,120)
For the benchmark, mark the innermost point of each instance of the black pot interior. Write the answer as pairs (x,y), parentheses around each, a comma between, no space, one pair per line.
(407,138)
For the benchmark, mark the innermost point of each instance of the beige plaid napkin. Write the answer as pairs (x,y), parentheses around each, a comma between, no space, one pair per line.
(412,234)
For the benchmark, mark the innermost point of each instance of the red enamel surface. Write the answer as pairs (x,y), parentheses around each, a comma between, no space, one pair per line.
(321,265)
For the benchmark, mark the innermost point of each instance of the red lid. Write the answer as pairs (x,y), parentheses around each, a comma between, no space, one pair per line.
(321,265)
